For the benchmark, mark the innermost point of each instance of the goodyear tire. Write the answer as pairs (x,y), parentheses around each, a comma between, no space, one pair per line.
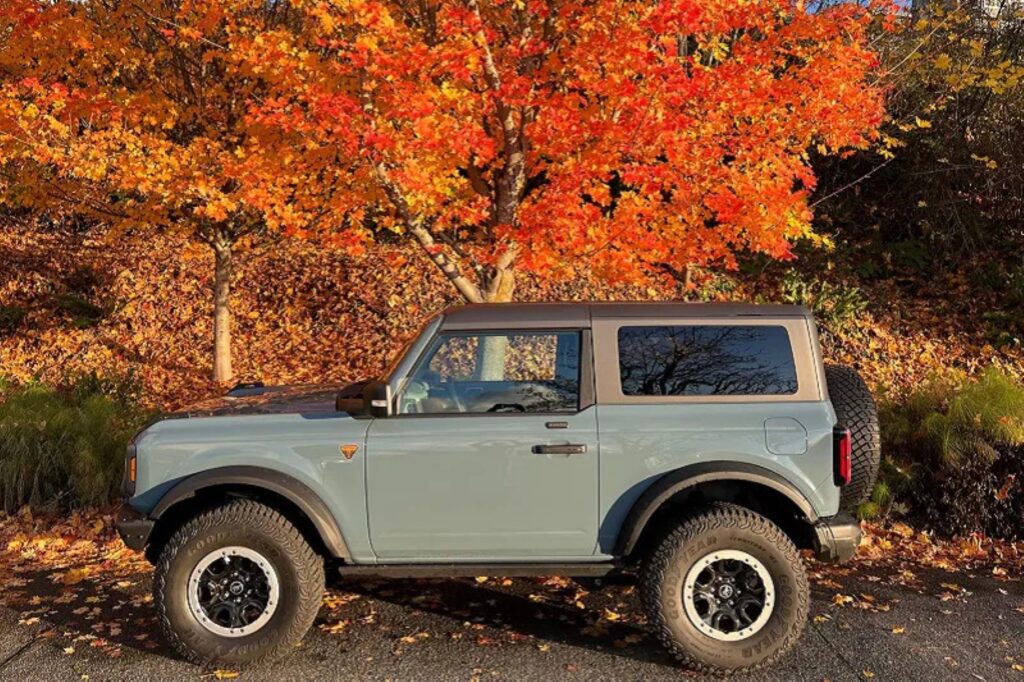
(237,584)
(855,409)
(726,591)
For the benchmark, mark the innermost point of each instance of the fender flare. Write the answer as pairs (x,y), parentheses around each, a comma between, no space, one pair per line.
(693,475)
(293,490)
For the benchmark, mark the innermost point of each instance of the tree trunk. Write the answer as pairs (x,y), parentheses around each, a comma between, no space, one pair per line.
(222,372)
(493,349)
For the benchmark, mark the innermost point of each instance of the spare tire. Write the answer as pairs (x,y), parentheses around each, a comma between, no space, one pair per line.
(856,411)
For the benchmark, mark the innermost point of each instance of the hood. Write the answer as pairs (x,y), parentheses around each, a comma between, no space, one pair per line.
(304,398)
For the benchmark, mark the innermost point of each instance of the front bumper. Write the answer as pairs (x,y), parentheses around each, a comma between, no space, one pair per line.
(134,528)
(836,538)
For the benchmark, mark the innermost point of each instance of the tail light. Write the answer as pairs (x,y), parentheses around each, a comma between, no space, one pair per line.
(841,450)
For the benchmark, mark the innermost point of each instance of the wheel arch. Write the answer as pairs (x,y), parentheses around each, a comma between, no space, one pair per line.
(299,503)
(752,486)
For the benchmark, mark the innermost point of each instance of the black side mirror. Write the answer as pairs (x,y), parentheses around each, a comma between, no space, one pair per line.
(365,399)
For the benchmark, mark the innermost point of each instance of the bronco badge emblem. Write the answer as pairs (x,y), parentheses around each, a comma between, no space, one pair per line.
(348,450)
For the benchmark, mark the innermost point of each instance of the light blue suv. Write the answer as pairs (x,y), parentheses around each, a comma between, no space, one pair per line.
(696,446)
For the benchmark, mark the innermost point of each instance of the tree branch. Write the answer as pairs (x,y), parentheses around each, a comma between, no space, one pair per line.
(469,290)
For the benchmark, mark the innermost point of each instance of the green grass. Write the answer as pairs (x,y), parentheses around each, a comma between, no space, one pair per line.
(953,451)
(61,449)
(952,418)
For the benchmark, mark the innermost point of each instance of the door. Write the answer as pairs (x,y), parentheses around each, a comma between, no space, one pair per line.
(492,453)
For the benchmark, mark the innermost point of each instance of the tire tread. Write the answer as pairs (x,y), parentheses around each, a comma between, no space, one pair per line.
(707,519)
(248,513)
(855,409)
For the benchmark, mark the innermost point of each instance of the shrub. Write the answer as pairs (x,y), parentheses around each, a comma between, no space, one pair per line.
(833,305)
(955,455)
(63,448)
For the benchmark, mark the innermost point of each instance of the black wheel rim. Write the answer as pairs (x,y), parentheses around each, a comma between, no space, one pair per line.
(233,591)
(728,595)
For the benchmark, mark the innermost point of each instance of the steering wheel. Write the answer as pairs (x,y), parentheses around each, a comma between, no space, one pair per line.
(506,407)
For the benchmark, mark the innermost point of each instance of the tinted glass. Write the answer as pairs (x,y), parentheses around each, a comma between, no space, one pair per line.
(474,373)
(706,360)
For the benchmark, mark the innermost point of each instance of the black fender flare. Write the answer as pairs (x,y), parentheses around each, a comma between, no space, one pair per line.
(679,480)
(293,490)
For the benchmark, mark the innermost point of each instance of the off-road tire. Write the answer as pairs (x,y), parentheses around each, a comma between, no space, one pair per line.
(855,409)
(255,526)
(722,526)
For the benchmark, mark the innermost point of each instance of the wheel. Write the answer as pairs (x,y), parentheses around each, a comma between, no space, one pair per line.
(237,584)
(855,410)
(726,591)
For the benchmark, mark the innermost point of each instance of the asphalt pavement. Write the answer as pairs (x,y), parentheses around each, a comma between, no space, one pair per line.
(866,623)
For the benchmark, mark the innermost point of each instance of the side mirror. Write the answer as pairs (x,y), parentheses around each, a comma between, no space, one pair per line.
(365,399)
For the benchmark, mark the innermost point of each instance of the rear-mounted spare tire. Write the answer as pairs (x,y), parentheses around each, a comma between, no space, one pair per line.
(856,411)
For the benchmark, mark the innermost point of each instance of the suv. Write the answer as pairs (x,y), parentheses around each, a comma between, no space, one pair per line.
(697,446)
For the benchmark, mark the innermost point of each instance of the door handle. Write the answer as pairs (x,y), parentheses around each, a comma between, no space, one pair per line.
(571,449)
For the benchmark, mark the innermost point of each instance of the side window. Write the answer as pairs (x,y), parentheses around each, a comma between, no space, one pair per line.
(481,372)
(706,360)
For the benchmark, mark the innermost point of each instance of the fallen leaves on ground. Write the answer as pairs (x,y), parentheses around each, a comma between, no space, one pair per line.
(901,547)
(75,572)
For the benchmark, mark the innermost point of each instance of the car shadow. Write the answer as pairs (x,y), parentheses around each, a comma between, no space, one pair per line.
(557,612)
(103,602)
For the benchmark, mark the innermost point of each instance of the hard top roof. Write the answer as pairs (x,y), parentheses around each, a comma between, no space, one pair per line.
(479,315)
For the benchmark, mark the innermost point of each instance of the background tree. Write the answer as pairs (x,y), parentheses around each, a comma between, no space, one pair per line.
(543,134)
(134,114)
(947,180)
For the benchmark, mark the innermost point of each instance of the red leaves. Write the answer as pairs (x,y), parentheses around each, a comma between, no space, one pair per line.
(638,130)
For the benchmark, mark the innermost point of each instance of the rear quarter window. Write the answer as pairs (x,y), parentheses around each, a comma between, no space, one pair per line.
(711,360)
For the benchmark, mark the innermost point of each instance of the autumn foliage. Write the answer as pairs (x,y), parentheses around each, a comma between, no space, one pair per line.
(548,135)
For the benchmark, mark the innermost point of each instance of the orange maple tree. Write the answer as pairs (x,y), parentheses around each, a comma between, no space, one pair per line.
(629,137)
(135,114)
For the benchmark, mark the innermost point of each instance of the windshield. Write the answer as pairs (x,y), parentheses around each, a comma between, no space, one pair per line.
(395,364)
(397,358)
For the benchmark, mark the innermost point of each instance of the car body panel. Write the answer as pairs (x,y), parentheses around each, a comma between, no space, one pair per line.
(468,487)
(304,446)
(677,435)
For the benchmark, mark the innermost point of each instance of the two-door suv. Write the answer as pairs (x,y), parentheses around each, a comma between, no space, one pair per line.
(697,446)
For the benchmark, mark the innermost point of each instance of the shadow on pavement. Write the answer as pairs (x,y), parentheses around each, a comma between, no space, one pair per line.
(555,611)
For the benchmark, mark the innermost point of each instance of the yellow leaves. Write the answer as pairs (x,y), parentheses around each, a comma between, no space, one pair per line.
(898,630)
(943,62)
(903,530)
(75,576)
(366,43)
(335,628)
(991,164)
(842,599)
(921,123)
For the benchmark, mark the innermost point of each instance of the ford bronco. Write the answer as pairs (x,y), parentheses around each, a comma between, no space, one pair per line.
(697,447)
